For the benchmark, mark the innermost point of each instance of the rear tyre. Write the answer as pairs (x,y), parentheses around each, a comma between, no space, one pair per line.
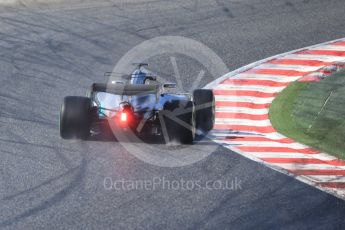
(205,109)
(180,124)
(75,117)
(188,133)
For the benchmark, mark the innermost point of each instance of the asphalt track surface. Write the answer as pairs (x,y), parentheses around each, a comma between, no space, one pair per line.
(53,50)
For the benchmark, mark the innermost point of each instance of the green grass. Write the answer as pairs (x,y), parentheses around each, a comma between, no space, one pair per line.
(300,112)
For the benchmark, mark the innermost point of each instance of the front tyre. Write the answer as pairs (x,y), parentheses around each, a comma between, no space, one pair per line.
(75,117)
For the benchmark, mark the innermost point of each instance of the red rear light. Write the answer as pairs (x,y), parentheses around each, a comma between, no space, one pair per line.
(123,116)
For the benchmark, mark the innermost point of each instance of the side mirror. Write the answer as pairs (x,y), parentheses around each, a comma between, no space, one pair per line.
(117,82)
(169,85)
(152,78)
(126,77)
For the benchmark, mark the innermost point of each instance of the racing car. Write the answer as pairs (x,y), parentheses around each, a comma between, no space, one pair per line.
(142,106)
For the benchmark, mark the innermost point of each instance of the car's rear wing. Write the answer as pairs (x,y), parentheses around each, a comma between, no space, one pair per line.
(125,89)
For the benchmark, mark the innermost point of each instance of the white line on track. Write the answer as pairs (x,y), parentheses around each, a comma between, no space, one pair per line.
(265,144)
(254,76)
(219,136)
(242,110)
(301,68)
(264,89)
(256,100)
(340,192)
(319,156)
(233,121)
(294,166)
(329,47)
(324,58)
(327,178)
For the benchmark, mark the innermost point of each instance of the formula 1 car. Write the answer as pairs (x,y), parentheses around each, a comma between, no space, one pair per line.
(141,105)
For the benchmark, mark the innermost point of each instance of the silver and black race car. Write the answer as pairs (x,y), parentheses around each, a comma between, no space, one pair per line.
(142,106)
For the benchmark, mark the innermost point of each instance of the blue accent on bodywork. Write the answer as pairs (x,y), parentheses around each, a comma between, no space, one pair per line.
(108,102)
